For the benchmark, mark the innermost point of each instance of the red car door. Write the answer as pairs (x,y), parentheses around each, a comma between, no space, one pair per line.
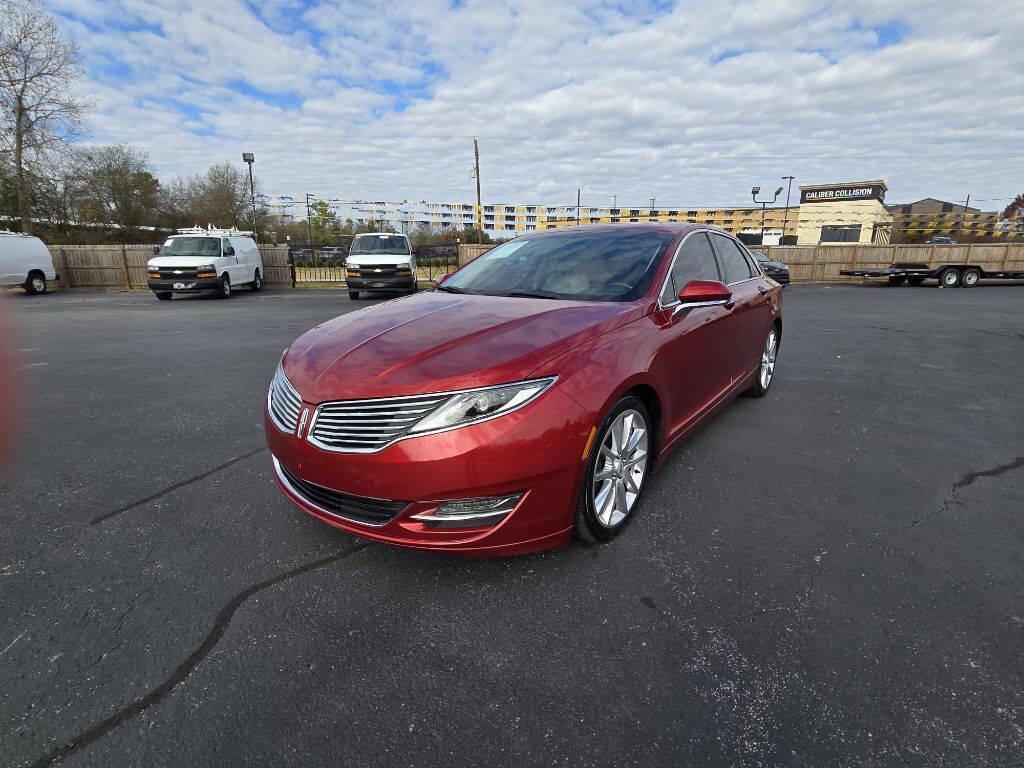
(751,311)
(693,360)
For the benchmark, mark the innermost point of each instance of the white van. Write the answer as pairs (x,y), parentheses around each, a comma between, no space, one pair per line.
(25,262)
(381,261)
(211,260)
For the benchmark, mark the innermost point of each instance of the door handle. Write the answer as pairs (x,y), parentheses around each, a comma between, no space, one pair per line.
(762,290)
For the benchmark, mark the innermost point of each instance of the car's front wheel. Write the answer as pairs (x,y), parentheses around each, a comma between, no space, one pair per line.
(617,469)
(224,287)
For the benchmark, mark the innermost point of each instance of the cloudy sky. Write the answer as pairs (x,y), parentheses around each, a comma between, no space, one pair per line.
(690,103)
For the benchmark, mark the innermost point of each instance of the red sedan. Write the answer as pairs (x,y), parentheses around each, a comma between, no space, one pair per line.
(530,396)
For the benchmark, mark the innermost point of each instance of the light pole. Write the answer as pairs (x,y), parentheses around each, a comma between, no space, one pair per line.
(248,158)
(309,219)
(763,203)
(785,216)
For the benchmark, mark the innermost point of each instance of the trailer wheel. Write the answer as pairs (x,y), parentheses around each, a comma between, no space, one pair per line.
(915,280)
(970,277)
(897,279)
(950,278)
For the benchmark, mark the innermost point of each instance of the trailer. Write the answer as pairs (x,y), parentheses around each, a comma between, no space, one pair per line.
(948,275)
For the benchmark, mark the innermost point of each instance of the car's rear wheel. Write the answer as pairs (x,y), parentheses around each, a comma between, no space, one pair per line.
(353,295)
(766,368)
(617,468)
(970,278)
(257,282)
(36,284)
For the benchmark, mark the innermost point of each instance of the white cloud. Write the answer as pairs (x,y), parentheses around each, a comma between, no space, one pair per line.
(692,105)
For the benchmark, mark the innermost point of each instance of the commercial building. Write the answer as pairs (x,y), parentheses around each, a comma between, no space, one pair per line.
(845,212)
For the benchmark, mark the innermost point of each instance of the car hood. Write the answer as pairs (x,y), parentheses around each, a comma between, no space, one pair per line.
(370,259)
(436,342)
(181,261)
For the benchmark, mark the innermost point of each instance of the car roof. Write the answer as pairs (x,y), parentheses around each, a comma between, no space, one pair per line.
(671,227)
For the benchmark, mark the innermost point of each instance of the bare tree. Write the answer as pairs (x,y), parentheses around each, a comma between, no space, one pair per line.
(38,109)
(118,185)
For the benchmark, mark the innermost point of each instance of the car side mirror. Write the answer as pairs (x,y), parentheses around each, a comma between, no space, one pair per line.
(229,251)
(156,250)
(441,279)
(702,293)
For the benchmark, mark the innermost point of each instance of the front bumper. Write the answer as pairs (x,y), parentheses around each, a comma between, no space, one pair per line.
(381,284)
(536,451)
(184,285)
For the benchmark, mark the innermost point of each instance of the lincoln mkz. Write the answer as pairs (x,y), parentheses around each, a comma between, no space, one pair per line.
(528,398)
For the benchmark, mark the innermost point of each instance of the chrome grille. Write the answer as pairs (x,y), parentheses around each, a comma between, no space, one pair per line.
(284,402)
(364,426)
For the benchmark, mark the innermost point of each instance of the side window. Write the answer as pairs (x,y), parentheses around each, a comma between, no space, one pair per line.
(734,263)
(225,244)
(696,261)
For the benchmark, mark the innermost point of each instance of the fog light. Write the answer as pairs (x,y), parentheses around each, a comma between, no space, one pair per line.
(471,512)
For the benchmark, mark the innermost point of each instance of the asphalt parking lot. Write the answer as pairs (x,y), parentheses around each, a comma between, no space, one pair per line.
(825,577)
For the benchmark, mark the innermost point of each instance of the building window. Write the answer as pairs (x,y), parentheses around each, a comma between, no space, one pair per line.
(840,233)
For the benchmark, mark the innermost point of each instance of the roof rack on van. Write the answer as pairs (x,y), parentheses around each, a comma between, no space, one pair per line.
(12,233)
(212,230)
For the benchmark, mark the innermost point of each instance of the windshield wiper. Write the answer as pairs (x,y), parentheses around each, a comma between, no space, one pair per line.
(449,289)
(533,295)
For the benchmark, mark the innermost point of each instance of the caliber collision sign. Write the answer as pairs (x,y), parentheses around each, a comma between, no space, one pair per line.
(838,194)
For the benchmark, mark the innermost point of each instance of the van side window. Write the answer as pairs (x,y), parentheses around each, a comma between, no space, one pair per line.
(225,244)
(734,263)
(696,261)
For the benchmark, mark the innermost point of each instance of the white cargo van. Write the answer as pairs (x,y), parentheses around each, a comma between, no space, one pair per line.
(25,262)
(205,260)
(381,261)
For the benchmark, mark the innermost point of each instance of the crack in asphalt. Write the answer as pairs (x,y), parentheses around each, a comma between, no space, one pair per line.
(185,668)
(171,488)
(883,328)
(949,501)
(996,333)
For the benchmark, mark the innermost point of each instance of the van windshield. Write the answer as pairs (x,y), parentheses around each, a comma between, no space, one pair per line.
(191,246)
(380,244)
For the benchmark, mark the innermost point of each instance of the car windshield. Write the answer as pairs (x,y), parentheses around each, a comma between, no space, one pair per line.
(761,257)
(380,244)
(580,266)
(191,246)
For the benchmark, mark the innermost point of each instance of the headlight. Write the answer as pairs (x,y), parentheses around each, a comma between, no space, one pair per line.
(481,404)
(350,265)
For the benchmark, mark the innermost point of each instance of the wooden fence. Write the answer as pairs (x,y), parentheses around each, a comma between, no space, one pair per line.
(124,266)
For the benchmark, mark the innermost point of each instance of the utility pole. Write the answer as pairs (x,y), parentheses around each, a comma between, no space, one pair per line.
(963,218)
(785,216)
(479,205)
(578,192)
(309,219)
(650,211)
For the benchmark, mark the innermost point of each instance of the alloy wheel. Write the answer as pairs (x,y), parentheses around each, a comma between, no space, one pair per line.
(620,469)
(38,284)
(771,349)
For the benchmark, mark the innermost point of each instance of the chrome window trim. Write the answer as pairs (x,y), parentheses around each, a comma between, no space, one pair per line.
(668,275)
(551,381)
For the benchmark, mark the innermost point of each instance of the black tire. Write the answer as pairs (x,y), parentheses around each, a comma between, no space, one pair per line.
(950,278)
(257,282)
(35,284)
(970,277)
(915,280)
(163,295)
(353,295)
(224,287)
(586,524)
(760,388)
(897,280)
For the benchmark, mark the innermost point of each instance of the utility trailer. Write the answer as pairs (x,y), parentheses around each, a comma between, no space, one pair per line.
(948,275)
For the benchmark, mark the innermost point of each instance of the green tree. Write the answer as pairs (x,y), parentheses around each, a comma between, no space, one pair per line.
(119,186)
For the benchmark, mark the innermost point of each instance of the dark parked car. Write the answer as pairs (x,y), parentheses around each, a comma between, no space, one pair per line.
(776,270)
